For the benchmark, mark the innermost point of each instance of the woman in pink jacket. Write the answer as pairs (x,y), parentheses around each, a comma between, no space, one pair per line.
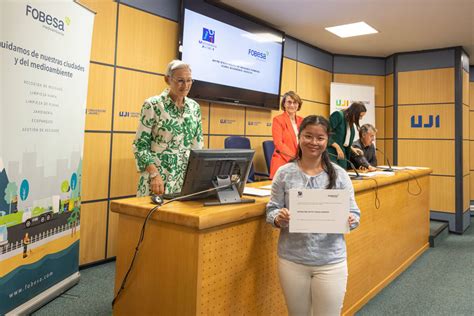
(285,130)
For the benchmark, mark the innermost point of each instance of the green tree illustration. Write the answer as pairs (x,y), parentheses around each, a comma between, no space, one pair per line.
(74,217)
(11,191)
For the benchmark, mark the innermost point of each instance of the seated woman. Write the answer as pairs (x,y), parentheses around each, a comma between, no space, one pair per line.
(284,130)
(368,160)
(342,127)
(169,127)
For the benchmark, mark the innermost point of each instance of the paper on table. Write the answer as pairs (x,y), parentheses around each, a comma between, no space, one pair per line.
(269,187)
(415,168)
(319,211)
(372,174)
(393,167)
(256,192)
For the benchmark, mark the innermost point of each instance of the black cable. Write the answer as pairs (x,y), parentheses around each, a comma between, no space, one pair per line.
(376,190)
(142,235)
(416,180)
(142,232)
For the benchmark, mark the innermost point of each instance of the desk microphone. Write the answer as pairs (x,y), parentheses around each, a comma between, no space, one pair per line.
(358,176)
(385,158)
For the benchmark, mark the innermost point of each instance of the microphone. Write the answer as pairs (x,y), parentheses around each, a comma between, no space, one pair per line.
(385,158)
(358,176)
(278,151)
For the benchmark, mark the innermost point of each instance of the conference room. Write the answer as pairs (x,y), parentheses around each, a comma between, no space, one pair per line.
(88,225)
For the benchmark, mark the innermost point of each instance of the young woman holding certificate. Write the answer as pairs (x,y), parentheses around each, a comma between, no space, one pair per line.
(312,267)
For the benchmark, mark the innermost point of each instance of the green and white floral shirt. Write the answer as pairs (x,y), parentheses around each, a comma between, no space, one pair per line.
(165,136)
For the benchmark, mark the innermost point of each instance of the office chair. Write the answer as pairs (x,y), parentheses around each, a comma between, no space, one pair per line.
(241,142)
(268,149)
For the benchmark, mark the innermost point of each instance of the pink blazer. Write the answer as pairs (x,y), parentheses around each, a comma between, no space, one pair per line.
(284,138)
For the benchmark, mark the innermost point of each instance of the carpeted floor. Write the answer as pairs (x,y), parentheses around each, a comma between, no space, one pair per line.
(440,282)
(92,296)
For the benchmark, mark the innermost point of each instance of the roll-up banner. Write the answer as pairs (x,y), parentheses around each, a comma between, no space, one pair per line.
(344,94)
(44,58)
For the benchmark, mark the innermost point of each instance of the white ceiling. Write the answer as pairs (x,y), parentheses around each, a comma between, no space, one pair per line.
(404,25)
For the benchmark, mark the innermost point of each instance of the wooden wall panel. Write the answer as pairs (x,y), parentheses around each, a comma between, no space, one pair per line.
(388,90)
(465,157)
(471,185)
(145,41)
(442,194)
(313,108)
(380,144)
(124,178)
(217,142)
(259,159)
(288,76)
(436,154)
(471,155)
(132,89)
(204,116)
(466,191)
(471,125)
(465,87)
(93,227)
(95,175)
(206,141)
(112,231)
(389,150)
(426,86)
(446,118)
(380,122)
(465,122)
(226,119)
(471,94)
(313,83)
(258,122)
(99,98)
(389,122)
(103,36)
(378,82)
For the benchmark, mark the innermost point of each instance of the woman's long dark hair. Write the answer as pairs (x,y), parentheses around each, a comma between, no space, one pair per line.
(327,164)
(352,113)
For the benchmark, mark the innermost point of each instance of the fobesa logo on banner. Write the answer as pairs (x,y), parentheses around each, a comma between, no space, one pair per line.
(43,17)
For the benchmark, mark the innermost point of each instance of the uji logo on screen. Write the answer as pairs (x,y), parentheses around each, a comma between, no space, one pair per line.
(208,35)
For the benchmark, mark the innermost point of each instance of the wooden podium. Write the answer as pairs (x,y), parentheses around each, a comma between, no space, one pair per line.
(222,260)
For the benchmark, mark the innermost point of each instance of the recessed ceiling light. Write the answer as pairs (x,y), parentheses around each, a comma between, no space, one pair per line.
(352,29)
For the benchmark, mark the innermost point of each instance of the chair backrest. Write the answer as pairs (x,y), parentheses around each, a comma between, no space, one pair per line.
(268,149)
(240,142)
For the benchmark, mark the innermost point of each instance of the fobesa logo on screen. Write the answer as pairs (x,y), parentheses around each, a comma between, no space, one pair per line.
(257,54)
(44,17)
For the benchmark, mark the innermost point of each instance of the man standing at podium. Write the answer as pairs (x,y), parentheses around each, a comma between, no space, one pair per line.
(169,127)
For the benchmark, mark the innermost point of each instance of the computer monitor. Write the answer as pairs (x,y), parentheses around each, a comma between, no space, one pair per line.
(227,169)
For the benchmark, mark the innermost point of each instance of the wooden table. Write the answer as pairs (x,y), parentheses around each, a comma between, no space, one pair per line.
(222,260)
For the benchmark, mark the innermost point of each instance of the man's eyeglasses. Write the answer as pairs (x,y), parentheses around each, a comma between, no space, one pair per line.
(182,82)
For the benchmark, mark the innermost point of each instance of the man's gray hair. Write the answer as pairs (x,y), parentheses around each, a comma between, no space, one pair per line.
(366,128)
(176,64)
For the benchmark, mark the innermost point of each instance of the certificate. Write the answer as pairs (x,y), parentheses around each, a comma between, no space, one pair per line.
(319,211)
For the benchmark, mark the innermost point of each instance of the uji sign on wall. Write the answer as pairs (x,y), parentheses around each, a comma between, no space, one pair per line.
(44,55)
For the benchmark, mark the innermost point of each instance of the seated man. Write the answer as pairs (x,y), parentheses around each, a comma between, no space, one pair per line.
(368,160)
